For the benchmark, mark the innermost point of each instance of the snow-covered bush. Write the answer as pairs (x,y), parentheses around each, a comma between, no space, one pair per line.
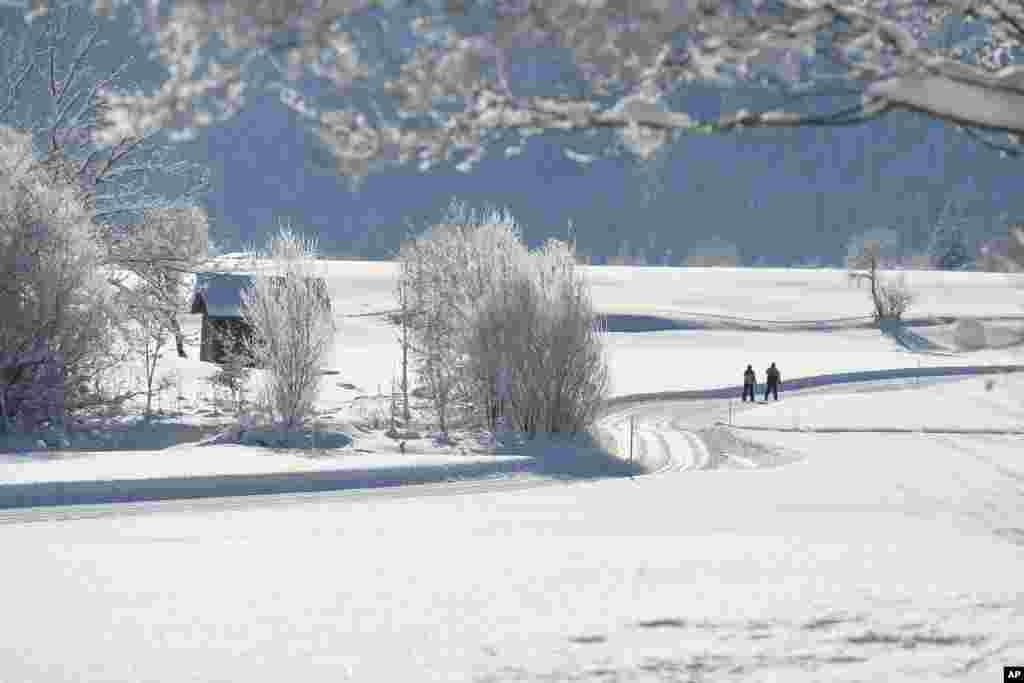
(57,316)
(893,299)
(445,273)
(542,330)
(501,329)
(289,313)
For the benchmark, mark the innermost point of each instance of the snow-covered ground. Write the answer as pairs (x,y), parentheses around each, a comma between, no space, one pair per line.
(978,403)
(188,460)
(885,557)
(871,557)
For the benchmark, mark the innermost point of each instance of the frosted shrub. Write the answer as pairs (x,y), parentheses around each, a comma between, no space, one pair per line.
(892,299)
(544,330)
(502,329)
(445,274)
(57,318)
(293,331)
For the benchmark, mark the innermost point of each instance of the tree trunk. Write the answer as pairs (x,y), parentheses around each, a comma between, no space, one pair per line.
(875,297)
(442,422)
(405,365)
(179,337)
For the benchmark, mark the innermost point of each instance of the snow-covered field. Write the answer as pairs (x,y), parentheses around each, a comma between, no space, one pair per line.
(870,558)
(355,400)
(367,354)
(883,557)
(979,403)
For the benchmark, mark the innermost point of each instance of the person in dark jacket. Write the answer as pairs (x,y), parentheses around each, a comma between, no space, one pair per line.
(749,382)
(774,378)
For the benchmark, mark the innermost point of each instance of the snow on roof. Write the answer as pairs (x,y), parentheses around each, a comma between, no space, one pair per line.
(221,293)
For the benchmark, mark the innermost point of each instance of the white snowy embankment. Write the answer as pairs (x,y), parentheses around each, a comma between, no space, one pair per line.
(196,461)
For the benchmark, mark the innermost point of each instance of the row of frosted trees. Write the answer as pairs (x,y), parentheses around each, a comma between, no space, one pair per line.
(498,330)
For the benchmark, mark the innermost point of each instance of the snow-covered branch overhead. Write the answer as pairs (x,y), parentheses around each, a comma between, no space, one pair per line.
(426,83)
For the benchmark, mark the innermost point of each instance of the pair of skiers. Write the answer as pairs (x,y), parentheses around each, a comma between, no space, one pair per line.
(750,381)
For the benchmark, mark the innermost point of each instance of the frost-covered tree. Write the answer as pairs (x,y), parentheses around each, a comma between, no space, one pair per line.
(948,246)
(50,85)
(57,313)
(437,352)
(889,298)
(427,316)
(438,81)
(146,338)
(51,88)
(404,320)
(500,328)
(542,327)
(289,312)
(448,270)
(150,263)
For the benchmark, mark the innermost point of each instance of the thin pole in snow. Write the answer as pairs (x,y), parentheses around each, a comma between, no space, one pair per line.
(629,438)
